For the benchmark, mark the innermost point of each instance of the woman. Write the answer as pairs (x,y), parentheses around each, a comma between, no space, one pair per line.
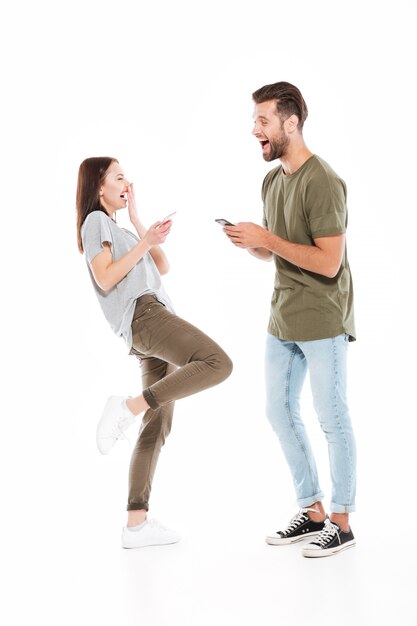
(176,358)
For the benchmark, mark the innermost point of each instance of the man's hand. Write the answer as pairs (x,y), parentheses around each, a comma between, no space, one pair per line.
(246,235)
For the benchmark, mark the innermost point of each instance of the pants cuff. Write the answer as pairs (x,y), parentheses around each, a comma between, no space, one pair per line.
(147,394)
(305,502)
(342,508)
(138,506)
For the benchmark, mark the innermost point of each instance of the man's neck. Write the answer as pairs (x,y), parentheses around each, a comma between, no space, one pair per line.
(296,157)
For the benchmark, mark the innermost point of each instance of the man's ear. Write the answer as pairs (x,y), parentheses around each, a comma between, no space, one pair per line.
(291,123)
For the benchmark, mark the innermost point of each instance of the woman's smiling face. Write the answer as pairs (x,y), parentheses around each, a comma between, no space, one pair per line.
(114,188)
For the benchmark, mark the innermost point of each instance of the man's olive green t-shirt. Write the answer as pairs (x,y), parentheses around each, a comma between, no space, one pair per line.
(301,207)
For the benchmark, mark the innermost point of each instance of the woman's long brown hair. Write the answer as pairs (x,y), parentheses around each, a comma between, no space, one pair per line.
(91,174)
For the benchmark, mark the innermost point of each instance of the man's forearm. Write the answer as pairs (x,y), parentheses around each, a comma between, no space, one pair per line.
(323,257)
(261,253)
(312,258)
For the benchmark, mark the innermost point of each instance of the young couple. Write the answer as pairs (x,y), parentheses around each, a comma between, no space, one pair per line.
(311,322)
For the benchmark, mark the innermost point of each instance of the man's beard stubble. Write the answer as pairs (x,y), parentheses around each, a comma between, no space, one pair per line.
(278,148)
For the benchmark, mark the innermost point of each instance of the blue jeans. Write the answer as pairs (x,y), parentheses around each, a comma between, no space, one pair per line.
(286,367)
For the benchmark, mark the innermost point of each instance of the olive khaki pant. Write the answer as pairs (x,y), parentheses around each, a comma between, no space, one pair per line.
(177,360)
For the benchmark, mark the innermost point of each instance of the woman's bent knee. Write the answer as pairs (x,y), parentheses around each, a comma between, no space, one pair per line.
(223,367)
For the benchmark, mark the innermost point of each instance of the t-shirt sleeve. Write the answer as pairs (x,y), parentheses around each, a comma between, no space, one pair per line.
(96,230)
(264,220)
(265,185)
(325,204)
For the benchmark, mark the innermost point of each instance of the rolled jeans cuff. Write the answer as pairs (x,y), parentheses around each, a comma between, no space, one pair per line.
(306,502)
(147,394)
(342,508)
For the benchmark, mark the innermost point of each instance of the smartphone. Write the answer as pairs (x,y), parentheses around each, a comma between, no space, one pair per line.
(223,222)
(168,217)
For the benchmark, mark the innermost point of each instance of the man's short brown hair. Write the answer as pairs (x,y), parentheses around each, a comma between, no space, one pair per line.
(289,100)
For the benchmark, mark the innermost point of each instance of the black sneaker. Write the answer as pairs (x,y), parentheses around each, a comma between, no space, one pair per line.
(331,540)
(299,528)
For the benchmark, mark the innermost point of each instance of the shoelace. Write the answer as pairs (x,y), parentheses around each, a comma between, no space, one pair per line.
(298,519)
(118,429)
(327,534)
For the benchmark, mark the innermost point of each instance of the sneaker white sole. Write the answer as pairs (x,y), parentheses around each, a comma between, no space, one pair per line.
(133,546)
(311,553)
(272,541)
(130,542)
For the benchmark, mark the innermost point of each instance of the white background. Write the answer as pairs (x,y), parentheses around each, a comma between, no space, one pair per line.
(166,87)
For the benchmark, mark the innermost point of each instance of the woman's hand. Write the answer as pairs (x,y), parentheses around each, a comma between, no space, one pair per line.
(157,233)
(151,238)
(131,205)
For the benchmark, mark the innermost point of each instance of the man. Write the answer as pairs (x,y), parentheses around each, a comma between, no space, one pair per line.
(311,321)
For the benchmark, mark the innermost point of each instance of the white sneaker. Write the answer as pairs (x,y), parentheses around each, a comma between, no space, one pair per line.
(150,533)
(115,419)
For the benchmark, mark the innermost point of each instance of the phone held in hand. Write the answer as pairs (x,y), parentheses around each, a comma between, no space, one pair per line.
(168,217)
(224,222)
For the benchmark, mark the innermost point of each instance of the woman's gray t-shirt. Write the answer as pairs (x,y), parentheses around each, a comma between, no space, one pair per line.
(118,304)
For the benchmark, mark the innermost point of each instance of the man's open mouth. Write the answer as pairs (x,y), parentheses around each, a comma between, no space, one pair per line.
(264,144)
